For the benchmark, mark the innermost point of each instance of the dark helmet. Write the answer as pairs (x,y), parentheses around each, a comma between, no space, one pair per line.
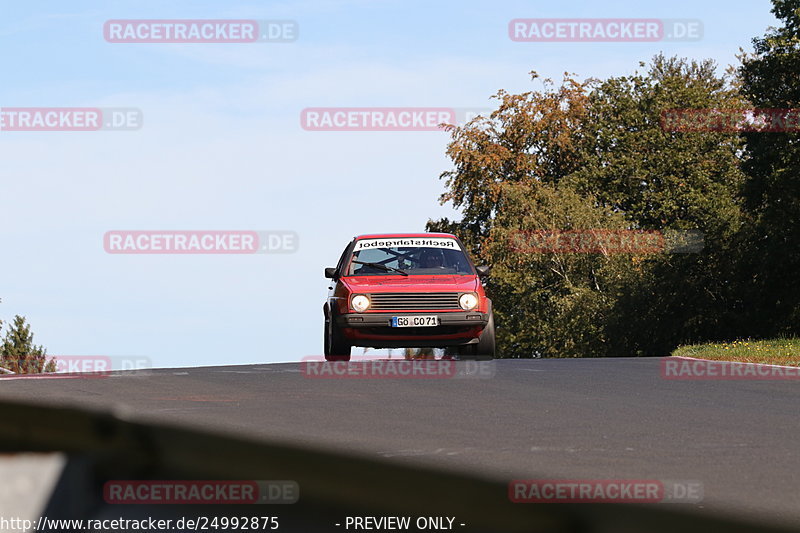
(431,257)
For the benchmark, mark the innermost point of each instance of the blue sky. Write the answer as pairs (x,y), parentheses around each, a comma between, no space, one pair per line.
(221,148)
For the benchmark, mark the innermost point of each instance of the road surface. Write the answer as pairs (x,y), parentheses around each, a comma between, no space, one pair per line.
(542,418)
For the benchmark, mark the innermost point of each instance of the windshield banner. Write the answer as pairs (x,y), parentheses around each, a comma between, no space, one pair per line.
(410,242)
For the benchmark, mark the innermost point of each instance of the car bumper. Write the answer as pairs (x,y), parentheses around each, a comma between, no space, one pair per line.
(375,330)
(368,320)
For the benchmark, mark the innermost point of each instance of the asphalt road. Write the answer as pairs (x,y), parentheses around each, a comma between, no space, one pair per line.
(550,418)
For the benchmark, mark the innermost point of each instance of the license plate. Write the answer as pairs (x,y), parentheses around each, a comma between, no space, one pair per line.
(414,321)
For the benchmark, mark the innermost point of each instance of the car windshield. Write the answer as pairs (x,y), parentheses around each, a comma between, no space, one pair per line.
(423,257)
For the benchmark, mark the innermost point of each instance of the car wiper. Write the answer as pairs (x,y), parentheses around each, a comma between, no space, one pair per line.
(382,267)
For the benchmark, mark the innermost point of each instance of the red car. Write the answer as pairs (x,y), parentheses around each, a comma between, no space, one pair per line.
(408,290)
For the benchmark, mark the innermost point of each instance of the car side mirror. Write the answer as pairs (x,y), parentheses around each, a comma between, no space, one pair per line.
(483,270)
(330,272)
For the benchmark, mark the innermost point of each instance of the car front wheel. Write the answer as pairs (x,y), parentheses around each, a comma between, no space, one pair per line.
(336,346)
(485,348)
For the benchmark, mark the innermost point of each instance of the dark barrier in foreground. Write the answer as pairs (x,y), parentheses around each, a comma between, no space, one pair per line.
(333,487)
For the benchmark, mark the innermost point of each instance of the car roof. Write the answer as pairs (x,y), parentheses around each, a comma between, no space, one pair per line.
(404,235)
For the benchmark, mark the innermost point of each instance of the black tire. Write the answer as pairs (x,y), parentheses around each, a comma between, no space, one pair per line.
(485,348)
(486,344)
(466,351)
(336,347)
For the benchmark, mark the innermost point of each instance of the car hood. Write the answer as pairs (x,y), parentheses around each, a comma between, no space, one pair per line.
(392,283)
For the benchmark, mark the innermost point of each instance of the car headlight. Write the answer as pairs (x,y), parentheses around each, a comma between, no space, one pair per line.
(468,301)
(360,303)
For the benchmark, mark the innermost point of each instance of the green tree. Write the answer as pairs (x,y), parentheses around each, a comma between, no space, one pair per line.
(770,78)
(506,169)
(590,156)
(660,178)
(553,303)
(529,137)
(19,354)
(664,180)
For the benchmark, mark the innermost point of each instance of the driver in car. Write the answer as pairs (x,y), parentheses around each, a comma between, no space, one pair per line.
(432,259)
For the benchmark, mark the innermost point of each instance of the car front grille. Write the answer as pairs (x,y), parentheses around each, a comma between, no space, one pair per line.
(413,301)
